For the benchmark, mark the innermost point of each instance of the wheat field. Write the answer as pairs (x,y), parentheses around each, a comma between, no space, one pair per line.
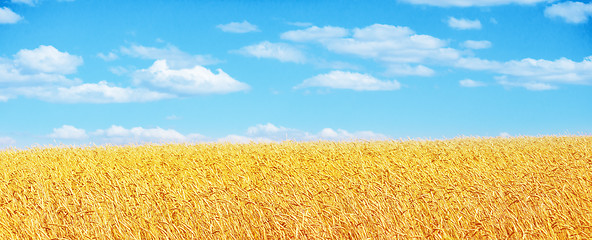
(475,188)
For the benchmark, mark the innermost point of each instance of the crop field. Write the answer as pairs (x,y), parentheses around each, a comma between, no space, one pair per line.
(476,188)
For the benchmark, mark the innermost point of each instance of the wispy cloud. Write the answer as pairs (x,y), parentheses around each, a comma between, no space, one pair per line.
(108,57)
(472,44)
(349,80)
(238,27)
(463,23)
(6,141)
(173,55)
(535,74)
(270,132)
(280,51)
(119,135)
(315,33)
(472,3)
(471,83)
(384,43)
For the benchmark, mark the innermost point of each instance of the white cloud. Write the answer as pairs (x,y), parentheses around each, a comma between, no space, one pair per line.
(571,12)
(280,51)
(300,24)
(349,80)
(101,92)
(187,81)
(471,3)
(120,135)
(407,70)
(175,58)
(108,57)
(530,85)
(315,33)
(41,68)
(563,70)
(243,139)
(8,16)
(28,2)
(12,74)
(471,83)
(119,70)
(463,24)
(471,44)
(473,63)
(392,44)
(269,132)
(238,27)
(47,59)
(68,132)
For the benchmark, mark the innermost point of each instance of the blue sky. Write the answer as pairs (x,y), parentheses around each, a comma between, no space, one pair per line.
(118,72)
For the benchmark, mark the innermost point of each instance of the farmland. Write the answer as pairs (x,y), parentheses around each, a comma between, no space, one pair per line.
(484,188)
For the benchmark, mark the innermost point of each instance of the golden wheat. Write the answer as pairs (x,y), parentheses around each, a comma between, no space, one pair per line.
(484,188)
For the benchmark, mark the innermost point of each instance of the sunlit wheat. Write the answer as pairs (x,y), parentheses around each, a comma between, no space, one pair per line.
(484,188)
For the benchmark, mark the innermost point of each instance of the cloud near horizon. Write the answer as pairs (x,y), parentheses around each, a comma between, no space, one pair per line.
(259,133)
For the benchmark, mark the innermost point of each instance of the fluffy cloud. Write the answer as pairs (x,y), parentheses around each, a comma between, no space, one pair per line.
(175,58)
(571,12)
(349,80)
(238,27)
(463,24)
(8,16)
(68,132)
(187,81)
(471,3)
(471,44)
(47,59)
(37,70)
(315,33)
(471,83)
(280,51)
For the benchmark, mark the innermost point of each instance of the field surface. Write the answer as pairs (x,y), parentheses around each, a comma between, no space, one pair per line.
(476,188)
